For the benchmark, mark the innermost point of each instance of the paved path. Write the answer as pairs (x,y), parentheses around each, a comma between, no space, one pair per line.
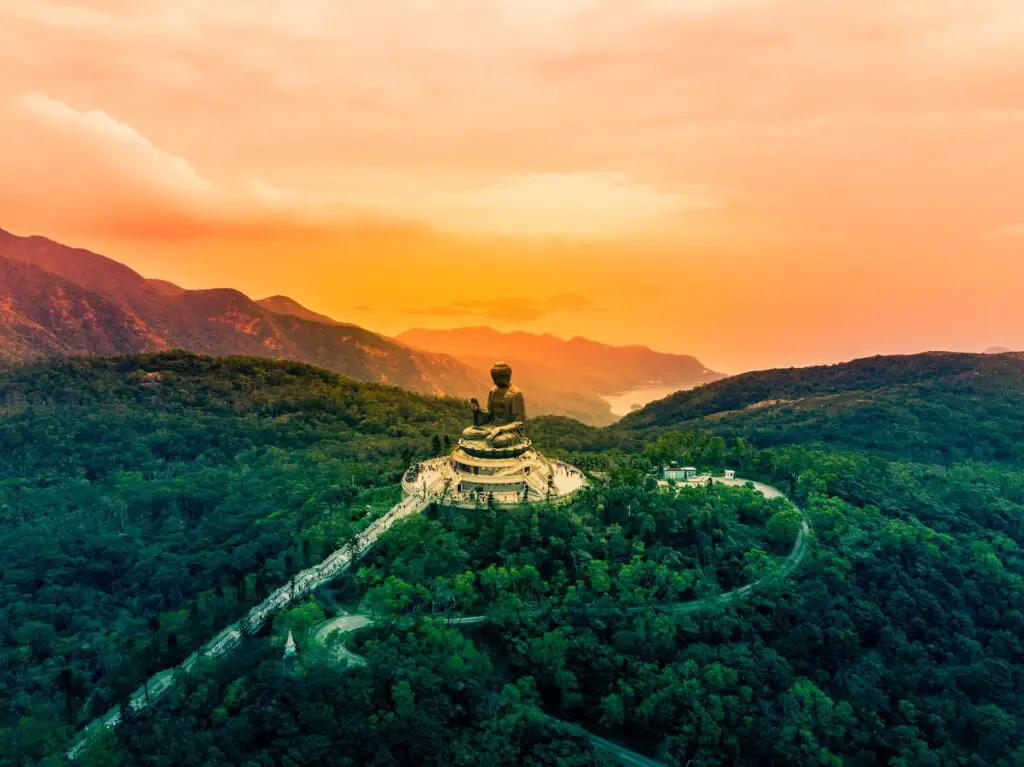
(344,625)
(349,623)
(800,548)
(230,637)
(619,754)
(339,561)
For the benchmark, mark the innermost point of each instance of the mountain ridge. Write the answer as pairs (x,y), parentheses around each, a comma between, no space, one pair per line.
(945,406)
(42,312)
(146,315)
(279,304)
(150,314)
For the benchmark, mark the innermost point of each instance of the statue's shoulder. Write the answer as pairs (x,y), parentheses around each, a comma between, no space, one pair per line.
(514,392)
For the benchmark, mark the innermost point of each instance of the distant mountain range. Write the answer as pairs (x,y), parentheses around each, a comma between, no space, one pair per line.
(600,367)
(57,300)
(543,362)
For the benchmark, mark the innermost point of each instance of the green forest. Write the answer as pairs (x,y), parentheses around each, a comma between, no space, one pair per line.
(939,407)
(147,501)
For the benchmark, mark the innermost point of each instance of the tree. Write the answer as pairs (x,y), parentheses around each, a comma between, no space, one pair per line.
(812,723)
(299,620)
(613,711)
(404,700)
(783,527)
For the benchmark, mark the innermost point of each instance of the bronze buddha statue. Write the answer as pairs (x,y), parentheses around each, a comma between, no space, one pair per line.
(503,423)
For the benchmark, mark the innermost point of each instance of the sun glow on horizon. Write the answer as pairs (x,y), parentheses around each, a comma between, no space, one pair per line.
(738,180)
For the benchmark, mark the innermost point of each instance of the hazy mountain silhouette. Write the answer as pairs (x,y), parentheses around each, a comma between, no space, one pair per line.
(577,362)
(577,370)
(56,299)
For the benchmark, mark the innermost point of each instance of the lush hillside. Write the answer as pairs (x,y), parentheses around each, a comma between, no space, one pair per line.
(146,500)
(437,695)
(896,642)
(937,407)
(72,301)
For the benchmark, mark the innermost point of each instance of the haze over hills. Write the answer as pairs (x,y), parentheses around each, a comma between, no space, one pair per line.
(545,363)
(55,299)
(599,367)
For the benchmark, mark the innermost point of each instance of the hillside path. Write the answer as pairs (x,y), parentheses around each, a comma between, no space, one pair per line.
(339,561)
(619,754)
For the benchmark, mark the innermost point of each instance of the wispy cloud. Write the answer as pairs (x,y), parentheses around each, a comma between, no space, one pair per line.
(570,204)
(563,117)
(122,144)
(107,177)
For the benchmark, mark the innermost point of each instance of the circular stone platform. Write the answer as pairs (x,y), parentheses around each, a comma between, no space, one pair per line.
(470,478)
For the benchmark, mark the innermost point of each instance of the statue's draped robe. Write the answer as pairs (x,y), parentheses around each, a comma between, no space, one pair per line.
(505,408)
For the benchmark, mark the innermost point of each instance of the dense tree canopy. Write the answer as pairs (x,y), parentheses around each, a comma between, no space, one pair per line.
(939,408)
(147,501)
(141,512)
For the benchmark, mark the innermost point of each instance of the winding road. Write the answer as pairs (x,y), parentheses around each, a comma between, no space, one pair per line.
(800,548)
(346,624)
(340,560)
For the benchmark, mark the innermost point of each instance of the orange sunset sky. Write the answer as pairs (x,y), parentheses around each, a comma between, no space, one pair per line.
(756,182)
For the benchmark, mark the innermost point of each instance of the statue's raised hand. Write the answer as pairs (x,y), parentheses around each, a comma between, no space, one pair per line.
(474,404)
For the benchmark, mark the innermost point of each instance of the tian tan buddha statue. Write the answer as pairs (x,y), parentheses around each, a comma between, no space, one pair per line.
(503,423)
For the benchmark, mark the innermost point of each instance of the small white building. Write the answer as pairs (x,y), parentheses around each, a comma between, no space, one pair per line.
(678,473)
(730,474)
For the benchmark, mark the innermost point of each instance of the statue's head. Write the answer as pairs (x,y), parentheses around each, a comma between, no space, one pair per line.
(501,374)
